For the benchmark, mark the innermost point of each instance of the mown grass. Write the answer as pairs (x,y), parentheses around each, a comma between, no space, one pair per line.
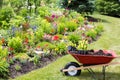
(110,40)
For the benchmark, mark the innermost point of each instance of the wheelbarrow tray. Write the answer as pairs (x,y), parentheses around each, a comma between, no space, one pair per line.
(94,59)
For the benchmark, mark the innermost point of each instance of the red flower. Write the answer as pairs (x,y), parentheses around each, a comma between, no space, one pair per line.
(3,40)
(55,38)
(38,46)
(26,40)
(11,49)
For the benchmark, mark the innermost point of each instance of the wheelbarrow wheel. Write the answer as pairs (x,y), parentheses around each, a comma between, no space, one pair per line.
(72,65)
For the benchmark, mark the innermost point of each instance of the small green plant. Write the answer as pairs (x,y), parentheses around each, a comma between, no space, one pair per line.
(3,63)
(83,45)
(17,67)
(39,35)
(72,26)
(16,44)
(46,26)
(61,28)
(60,48)
(36,59)
(91,33)
(99,28)
(74,38)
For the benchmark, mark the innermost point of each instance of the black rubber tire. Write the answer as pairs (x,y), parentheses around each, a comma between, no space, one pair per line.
(73,64)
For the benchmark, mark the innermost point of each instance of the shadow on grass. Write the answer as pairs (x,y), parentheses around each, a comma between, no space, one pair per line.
(92,19)
(99,76)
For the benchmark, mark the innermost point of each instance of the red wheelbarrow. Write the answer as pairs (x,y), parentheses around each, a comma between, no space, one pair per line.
(88,62)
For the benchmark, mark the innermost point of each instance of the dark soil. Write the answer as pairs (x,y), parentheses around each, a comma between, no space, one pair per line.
(29,66)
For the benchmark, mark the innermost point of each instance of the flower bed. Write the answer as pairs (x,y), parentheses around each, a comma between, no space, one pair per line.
(35,40)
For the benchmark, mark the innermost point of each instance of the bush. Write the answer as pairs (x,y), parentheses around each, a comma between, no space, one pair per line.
(15,44)
(6,13)
(109,7)
(86,6)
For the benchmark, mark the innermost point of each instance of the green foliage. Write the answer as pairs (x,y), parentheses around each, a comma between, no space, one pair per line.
(99,28)
(61,28)
(46,26)
(109,7)
(61,48)
(82,45)
(17,67)
(80,6)
(74,38)
(72,26)
(43,11)
(23,12)
(6,13)
(3,63)
(16,21)
(91,33)
(39,35)
(46,45)
(16,44)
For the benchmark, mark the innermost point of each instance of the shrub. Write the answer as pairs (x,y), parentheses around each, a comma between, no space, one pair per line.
(6,13)
(16,44)
(109,7)
(80,6)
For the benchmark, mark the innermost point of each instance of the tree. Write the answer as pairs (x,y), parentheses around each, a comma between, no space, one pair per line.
(108,7)
(81,6)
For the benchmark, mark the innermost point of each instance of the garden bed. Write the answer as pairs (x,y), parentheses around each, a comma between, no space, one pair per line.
(29,66)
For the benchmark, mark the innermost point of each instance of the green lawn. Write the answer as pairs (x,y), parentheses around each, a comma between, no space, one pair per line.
(110,39)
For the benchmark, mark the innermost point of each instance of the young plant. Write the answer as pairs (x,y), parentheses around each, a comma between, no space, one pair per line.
(16,44)
(74,38)
(61,28)
(3,63)
(72,26)
(18,67)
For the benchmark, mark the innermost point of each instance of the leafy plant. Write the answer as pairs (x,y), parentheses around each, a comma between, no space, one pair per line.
(99,28)
(16,44)
(83,45)
(109,7)
(3,63)
(18,67)
(60,48)
(39,35)
(91,33)
(74,38)
(61,28)
(72,26)
(43,11)
(46,26)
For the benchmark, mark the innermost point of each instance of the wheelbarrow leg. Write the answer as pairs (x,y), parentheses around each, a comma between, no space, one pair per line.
(92,73)
(103,71)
